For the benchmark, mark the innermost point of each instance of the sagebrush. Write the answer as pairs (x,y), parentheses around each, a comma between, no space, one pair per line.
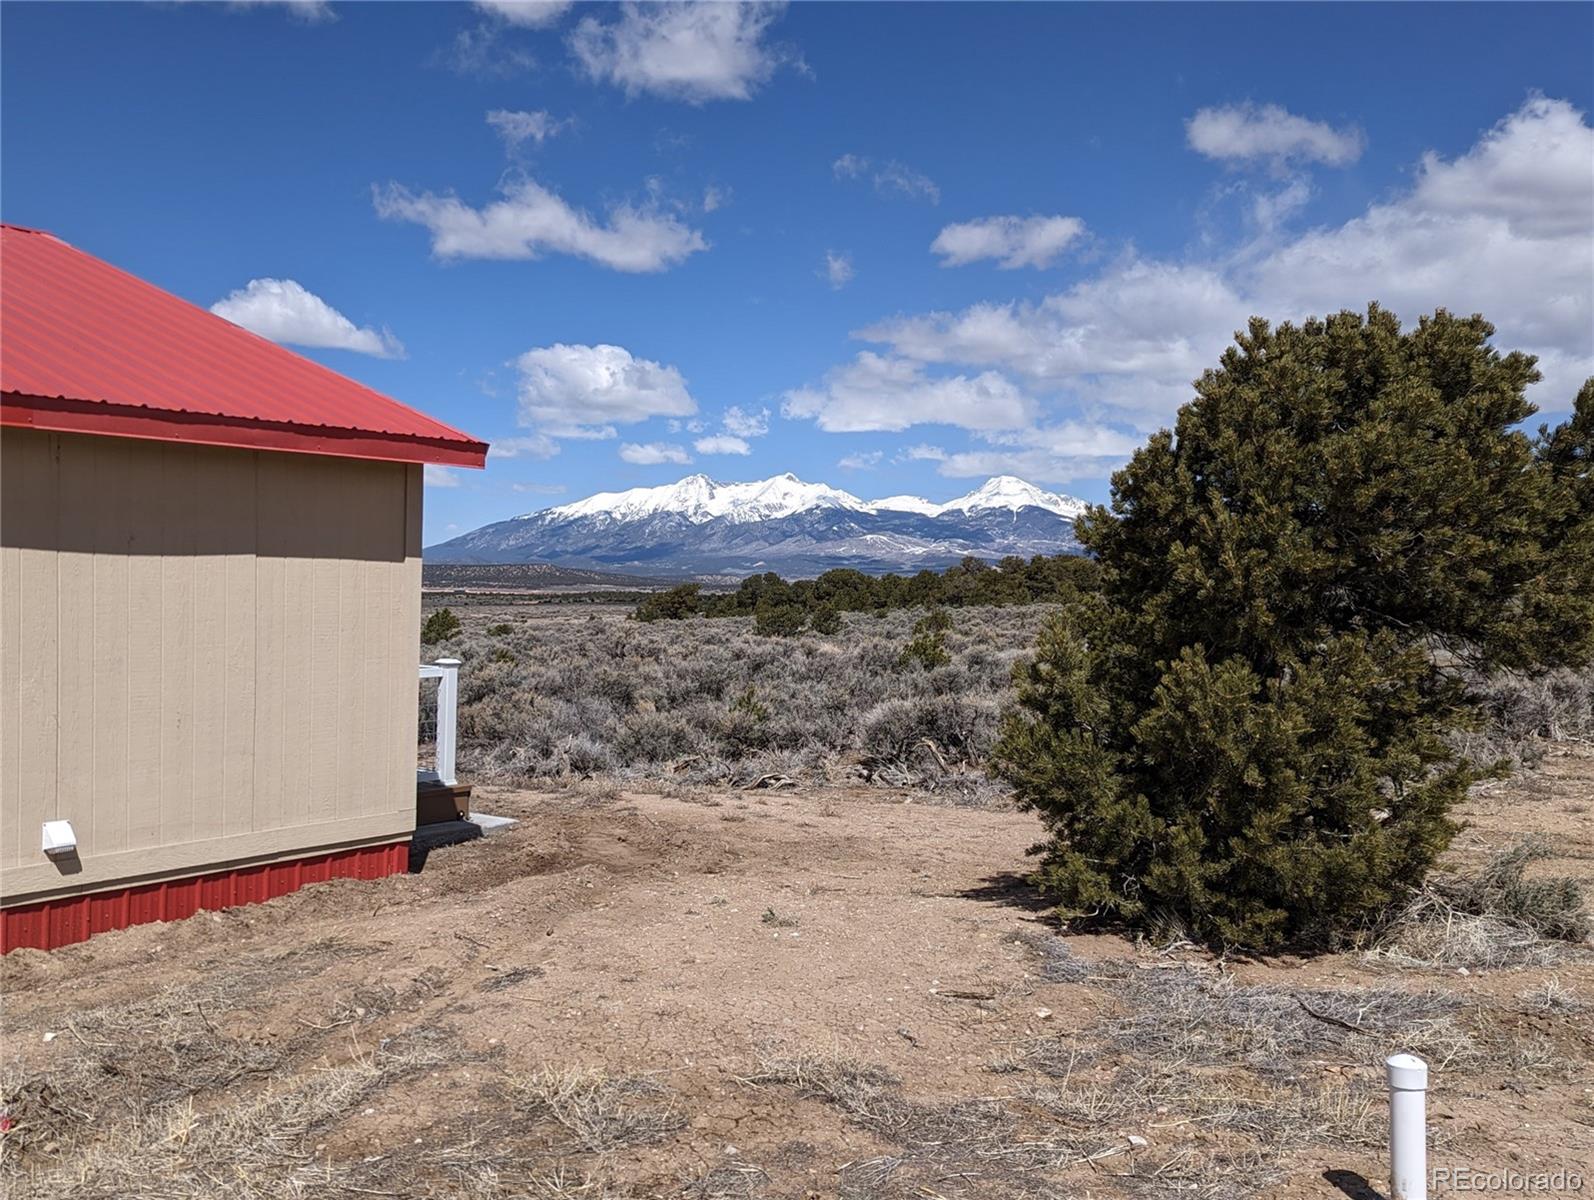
(550,693)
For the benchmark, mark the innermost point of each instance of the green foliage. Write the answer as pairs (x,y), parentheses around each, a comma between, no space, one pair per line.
(1058,579)
(825,619)
(927,647)
(775,619)
(439,627)
(672,605)
(1246,728)
(748,703)
(502,629)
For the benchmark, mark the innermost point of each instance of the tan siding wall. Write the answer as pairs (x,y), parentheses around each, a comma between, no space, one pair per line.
(205,654)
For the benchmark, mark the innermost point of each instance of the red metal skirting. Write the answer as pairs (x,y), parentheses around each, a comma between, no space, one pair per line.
(51,924)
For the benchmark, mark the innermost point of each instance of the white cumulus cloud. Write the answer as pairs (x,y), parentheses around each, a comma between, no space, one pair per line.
(433,475)
(681,50)
(584,391)
(878,392)
(530,221)
(517,127)
(862,460)
(1012,241)
(836,269)
(722,443)
(284,311)
(1249,132)
(528,14)
(537,445)
(742,423)
(311,12)
(649,454)
(1503,229)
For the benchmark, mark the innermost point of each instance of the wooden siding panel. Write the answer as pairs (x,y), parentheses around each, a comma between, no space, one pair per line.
(28,517)
(74,603)
(107,506)
(11,683)
(201,646)
(296,503)
(240,639)
(179,568)
(354,699)
(145,689)
(406,681)
(209,653)
(271,654)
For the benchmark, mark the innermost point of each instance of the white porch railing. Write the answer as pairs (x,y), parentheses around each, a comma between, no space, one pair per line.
(442,722)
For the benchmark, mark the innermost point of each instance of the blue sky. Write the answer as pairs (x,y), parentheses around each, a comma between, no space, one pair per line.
(897,248)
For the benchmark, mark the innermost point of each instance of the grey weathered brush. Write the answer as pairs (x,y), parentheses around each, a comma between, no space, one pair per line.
(572,693)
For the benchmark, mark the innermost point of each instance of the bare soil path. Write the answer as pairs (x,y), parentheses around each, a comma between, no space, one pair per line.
(764,994)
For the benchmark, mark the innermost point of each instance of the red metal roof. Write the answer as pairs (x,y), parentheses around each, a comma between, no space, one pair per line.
(88,348)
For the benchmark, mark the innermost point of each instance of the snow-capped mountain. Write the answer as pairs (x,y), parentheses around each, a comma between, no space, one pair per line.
(1007,492)
(698,526)
(698,498)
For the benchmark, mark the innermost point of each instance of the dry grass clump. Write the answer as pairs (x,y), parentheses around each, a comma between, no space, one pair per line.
(1553,996)
(1430,934)
(1188,1016)
(600,1112)
(1551,907)
(1494,917)
(1056,964)
(862,1090)
(568,694)
(255,1149)
(732,1181)
(1200,1174)
(1152,1095)
(980,1130)
(1241,1075)
(130,1059)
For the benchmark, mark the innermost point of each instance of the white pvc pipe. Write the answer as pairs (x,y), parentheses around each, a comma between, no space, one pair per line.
(447,719)
(1408,1132)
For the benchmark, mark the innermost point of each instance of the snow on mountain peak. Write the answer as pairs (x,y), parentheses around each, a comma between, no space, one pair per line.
(912,504)
(697,498)
(1010,492)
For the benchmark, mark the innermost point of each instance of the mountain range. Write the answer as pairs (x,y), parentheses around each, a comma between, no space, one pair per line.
(700,527)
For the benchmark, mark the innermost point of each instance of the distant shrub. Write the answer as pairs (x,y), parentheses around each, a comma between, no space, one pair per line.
(586,755)
(440,626)
(671,605)
(655,737)
(959,730)
(775,619)
(1042,579)
(502,629)
(927,647)
(826,620)
(1525,713)
(748,703)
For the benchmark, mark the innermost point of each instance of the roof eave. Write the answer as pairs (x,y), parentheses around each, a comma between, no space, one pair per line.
(63,415)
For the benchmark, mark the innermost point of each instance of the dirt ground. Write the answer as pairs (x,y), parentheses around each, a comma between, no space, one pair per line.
(767,994)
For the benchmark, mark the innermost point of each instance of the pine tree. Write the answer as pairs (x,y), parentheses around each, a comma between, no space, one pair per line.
(1245,729)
